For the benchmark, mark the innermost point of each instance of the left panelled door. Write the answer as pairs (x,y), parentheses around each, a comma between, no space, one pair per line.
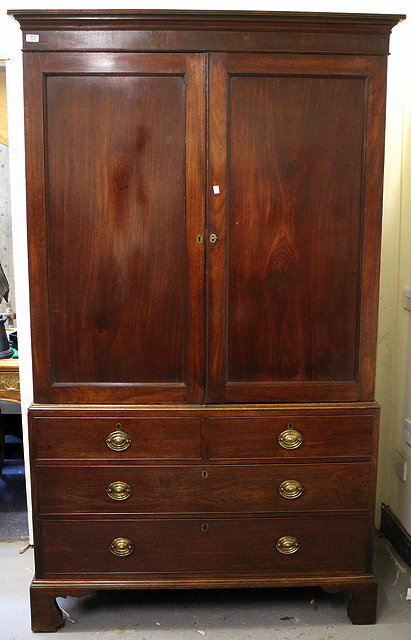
(115,159)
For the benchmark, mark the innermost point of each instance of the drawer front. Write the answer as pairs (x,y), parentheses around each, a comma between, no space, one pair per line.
(207,488)
(321,437)
(204,546)
(147,438)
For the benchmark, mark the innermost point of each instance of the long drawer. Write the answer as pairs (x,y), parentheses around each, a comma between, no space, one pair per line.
(306,436)
(132,438)
(274,436)
(203,488)
(202,545)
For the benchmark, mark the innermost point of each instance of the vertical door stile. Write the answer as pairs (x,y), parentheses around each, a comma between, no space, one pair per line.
(195,224)
(373,187)
(217,225)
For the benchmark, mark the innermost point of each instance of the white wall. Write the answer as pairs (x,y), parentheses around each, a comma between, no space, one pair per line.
(395,492)
(394,348)
(10,45)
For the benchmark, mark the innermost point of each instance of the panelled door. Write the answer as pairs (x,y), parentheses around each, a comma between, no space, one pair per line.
(128,272)
(294,201)
(116,201)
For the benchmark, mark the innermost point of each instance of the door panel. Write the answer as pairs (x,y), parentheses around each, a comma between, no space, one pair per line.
(289,267)
(116,203)
(121,220)
(294,229)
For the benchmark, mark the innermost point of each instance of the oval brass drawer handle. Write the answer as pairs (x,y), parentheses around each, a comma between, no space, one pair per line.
(118,440)
(291,489)
(287,545)
(290,439)
(121,547)
(119,490)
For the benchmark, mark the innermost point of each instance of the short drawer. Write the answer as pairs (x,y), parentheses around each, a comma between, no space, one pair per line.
(131,438)
(198,489)
(314,436)
(206,546)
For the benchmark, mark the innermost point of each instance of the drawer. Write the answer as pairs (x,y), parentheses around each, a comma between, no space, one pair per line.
(210,546)
(198,489)
(321,437)
(147,438)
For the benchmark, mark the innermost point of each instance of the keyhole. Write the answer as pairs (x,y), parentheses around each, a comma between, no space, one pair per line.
(204,474)
(205,527)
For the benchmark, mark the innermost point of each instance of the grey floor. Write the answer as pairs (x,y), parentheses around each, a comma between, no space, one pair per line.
(260,614)
(13,511)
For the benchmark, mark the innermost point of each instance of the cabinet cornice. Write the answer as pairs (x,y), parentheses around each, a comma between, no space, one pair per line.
(136,30)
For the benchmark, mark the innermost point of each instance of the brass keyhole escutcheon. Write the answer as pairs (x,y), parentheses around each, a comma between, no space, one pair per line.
(204,474)
(121,547)
(119,490)
(290,438)
(291,489)
(287,545)
(213,238)
(205,527)
(199,239)
(118,440)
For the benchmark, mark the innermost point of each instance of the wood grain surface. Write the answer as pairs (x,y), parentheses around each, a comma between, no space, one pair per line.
(180,546)
(114,242)
(72,489)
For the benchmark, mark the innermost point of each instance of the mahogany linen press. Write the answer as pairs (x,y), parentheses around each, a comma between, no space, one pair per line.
(204,198)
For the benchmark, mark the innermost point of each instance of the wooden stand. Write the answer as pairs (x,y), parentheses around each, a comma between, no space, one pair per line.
(47,615)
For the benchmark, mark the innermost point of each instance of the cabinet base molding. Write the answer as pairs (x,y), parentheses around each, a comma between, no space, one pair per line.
(46,615)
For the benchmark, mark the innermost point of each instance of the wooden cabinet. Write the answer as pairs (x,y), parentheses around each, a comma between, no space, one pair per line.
(204,201)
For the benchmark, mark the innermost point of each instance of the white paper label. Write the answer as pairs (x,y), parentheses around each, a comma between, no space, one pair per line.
(32,37)
(216,189)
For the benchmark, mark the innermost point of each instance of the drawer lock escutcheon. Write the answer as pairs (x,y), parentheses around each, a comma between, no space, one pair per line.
(119,490)
(290,438)
(121,547)
(205,527)
(287,545)
(290,489)
(118,440)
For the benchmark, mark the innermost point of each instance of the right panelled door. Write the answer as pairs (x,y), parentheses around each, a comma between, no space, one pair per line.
(296,151)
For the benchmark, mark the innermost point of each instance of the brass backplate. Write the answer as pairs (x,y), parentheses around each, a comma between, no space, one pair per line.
(290,439)
(287,545)
(118,440)
(291,489)
(121,547)
(119,490)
